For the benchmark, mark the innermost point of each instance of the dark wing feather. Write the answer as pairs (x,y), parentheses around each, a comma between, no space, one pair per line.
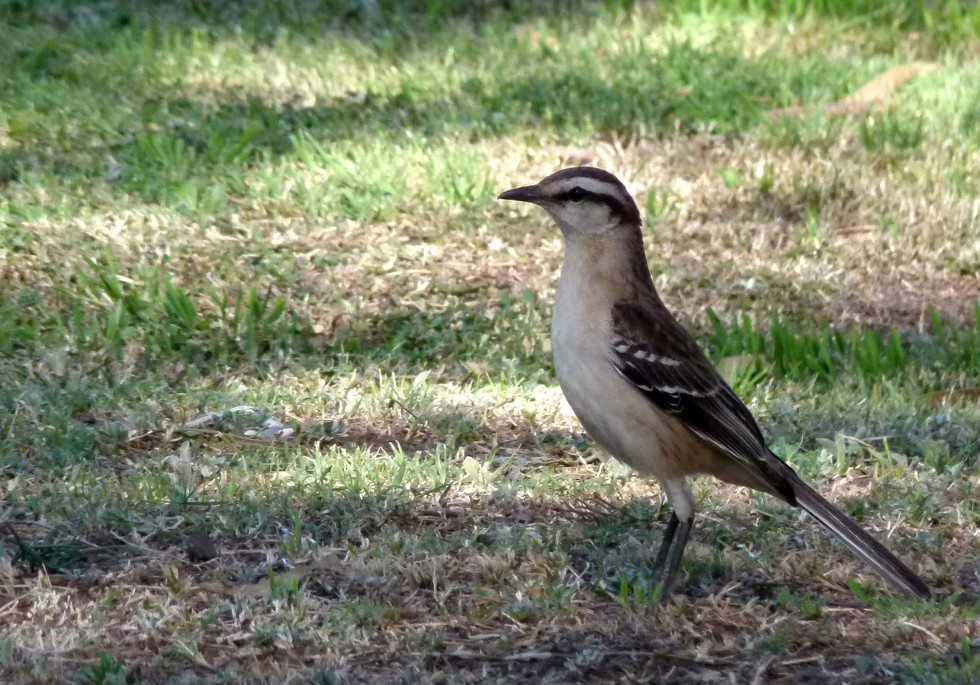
(654,353)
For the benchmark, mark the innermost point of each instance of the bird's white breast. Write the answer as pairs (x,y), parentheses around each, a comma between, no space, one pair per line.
(613,412)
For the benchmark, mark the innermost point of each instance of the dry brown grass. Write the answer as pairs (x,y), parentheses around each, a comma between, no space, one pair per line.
(468,609)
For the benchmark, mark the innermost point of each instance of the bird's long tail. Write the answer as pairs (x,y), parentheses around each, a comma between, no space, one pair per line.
(858,540)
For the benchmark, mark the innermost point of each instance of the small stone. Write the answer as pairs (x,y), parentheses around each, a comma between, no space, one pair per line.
(200,547)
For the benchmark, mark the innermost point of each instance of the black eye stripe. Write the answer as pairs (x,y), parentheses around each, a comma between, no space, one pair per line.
(575,194)
(578,194)
(619,203)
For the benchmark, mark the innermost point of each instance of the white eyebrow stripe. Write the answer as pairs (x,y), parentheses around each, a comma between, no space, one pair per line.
(592,185)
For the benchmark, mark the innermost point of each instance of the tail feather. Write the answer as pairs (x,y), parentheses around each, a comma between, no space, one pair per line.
(858,540)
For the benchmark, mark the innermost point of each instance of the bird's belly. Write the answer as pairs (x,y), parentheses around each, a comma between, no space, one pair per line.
(619,418)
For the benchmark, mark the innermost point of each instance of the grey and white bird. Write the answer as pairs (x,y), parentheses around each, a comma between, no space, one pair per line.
(642,387)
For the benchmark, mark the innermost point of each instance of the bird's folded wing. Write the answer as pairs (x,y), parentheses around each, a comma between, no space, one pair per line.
(654,353)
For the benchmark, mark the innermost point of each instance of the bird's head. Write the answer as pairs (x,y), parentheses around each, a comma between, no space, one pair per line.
(582,200)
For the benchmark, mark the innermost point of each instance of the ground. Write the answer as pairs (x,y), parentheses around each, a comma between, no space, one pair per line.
(276,398)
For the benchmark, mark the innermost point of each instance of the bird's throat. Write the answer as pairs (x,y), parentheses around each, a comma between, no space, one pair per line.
(615,259)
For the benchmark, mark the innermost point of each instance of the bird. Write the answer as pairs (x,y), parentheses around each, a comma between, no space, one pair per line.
(644,390)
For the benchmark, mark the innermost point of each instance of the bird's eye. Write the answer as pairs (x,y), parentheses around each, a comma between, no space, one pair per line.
(576,194)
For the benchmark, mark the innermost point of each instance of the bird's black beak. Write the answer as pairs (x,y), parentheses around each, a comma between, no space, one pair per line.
(522,194)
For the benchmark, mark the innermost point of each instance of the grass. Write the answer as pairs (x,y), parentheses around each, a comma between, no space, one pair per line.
(281,216)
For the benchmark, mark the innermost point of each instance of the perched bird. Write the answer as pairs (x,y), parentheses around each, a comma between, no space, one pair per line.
(642,387)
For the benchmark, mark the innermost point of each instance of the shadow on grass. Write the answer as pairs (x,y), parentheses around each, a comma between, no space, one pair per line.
(392,19)
(151,138)
(156,137)
(389,545)
(163,137)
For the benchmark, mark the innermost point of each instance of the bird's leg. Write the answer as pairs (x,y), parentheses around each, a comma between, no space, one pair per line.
(672,546)
(668,538)
(680,542)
